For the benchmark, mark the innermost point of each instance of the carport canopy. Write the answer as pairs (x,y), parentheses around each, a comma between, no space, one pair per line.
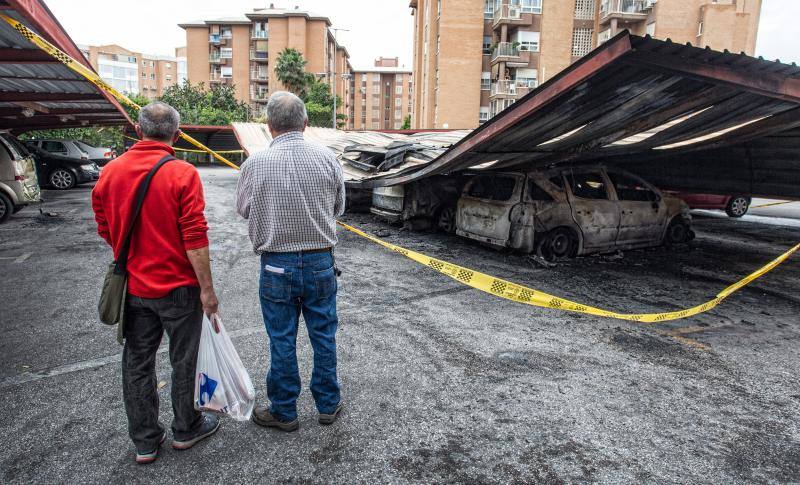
(37,92)
(683,117)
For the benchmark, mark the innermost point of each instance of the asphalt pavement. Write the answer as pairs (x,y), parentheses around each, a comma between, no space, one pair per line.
(442,383)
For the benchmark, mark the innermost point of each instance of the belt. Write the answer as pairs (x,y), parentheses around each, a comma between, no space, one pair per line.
(316,251)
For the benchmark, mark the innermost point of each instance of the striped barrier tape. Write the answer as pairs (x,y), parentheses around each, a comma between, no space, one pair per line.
(188,150)
(522,294)
(92,77)
(480,281)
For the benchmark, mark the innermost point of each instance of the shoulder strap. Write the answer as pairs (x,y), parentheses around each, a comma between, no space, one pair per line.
(121,266)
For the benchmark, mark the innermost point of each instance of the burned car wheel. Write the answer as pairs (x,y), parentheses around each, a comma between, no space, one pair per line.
(447,220)
(738,206)
(558,243)
(678,232)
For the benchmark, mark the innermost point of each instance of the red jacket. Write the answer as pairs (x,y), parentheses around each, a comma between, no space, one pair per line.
(171,221)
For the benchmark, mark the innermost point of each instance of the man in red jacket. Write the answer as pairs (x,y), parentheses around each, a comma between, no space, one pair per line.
(169,279)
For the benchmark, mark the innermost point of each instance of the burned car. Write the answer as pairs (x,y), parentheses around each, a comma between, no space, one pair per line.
(567,212)
(421,204)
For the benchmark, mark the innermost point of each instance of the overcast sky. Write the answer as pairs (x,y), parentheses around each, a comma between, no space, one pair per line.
(377,27)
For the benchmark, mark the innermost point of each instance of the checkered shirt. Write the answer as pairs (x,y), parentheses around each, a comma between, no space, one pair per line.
(291,193)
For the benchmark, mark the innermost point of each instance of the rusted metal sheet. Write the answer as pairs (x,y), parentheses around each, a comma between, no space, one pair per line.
(639,101)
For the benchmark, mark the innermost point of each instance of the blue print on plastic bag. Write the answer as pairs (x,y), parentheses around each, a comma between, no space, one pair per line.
(207,388)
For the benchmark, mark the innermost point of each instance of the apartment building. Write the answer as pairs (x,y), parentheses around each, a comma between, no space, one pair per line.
(133,72)
(718,24)
(243,51)
(474,58)
(382,96)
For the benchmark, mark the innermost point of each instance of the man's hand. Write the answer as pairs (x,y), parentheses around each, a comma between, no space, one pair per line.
(208,297)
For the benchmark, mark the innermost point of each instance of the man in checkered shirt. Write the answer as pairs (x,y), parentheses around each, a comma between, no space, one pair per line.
(292,193)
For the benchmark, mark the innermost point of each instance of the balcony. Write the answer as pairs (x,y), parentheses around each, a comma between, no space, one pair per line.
(505,51)
(259,56)
(215,58)
(625,9)
(504,89)
(507,14)
(260,35)
(259,76)
(214,38)
(259,95)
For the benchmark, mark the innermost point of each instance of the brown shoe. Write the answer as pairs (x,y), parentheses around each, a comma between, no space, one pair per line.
(262,417)
(327,419)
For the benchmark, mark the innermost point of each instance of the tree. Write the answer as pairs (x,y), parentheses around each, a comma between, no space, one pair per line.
(406,123)
(291,71)
(200,106)
(139,99)
(319,104)
(104,136)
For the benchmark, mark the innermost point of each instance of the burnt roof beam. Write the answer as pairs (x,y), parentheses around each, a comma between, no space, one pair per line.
(754,81)
(14,96)
(9,55)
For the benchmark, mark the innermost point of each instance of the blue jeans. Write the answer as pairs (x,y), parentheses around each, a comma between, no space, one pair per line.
(292,283)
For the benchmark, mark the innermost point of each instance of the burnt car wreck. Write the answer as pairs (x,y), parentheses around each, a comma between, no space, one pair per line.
(554,172)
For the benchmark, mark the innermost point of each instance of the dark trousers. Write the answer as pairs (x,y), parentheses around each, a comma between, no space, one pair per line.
(180,314)
(291,284)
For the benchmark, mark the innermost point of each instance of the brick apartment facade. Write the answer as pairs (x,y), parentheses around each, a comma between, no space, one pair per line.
(243,51)
(382,96)
(133,72)
(474,58)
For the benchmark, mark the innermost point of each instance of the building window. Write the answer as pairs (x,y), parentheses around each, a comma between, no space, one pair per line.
(486,81)
(398,89)
(439,8)
(488,9)
(487,45)
(528,41)
(144,63)
(483,116)
(398,102)
(225,32)
(603,36)
(376,89)
(527,78)
(581,42)
(168,65)
(153,76)
(227,72)
(700,29)
(651,29)
(376,125)
(531,6)
(398,114)
(227,53)
(398,77)
(169,78)
(144,75)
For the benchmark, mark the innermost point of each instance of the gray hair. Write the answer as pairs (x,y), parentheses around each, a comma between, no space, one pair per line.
(159,120)
(286,112)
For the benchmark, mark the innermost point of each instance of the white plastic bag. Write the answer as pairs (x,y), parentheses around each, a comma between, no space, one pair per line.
(222,384)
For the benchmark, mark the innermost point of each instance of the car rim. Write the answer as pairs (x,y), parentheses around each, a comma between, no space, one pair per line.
(446,220)
(739,206)
(678,233)
(61,179)
(560,245)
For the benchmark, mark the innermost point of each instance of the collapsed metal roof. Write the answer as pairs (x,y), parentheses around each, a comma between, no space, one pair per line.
(37,92)
(654,106)
(365,155)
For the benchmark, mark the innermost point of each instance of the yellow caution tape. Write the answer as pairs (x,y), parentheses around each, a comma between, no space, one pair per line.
(187,150)
(522,294)
(92,77)
(480,281)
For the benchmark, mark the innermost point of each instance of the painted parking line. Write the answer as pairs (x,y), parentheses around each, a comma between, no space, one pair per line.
(17,259)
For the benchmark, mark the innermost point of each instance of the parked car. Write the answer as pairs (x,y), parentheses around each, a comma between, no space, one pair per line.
(422,203)
(62,173)
(567,212)
(733,205)
(75,149)
(18,182)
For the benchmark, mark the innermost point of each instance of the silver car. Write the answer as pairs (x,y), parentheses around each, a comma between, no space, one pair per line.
(570,212)
(75,149)
(18,183)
